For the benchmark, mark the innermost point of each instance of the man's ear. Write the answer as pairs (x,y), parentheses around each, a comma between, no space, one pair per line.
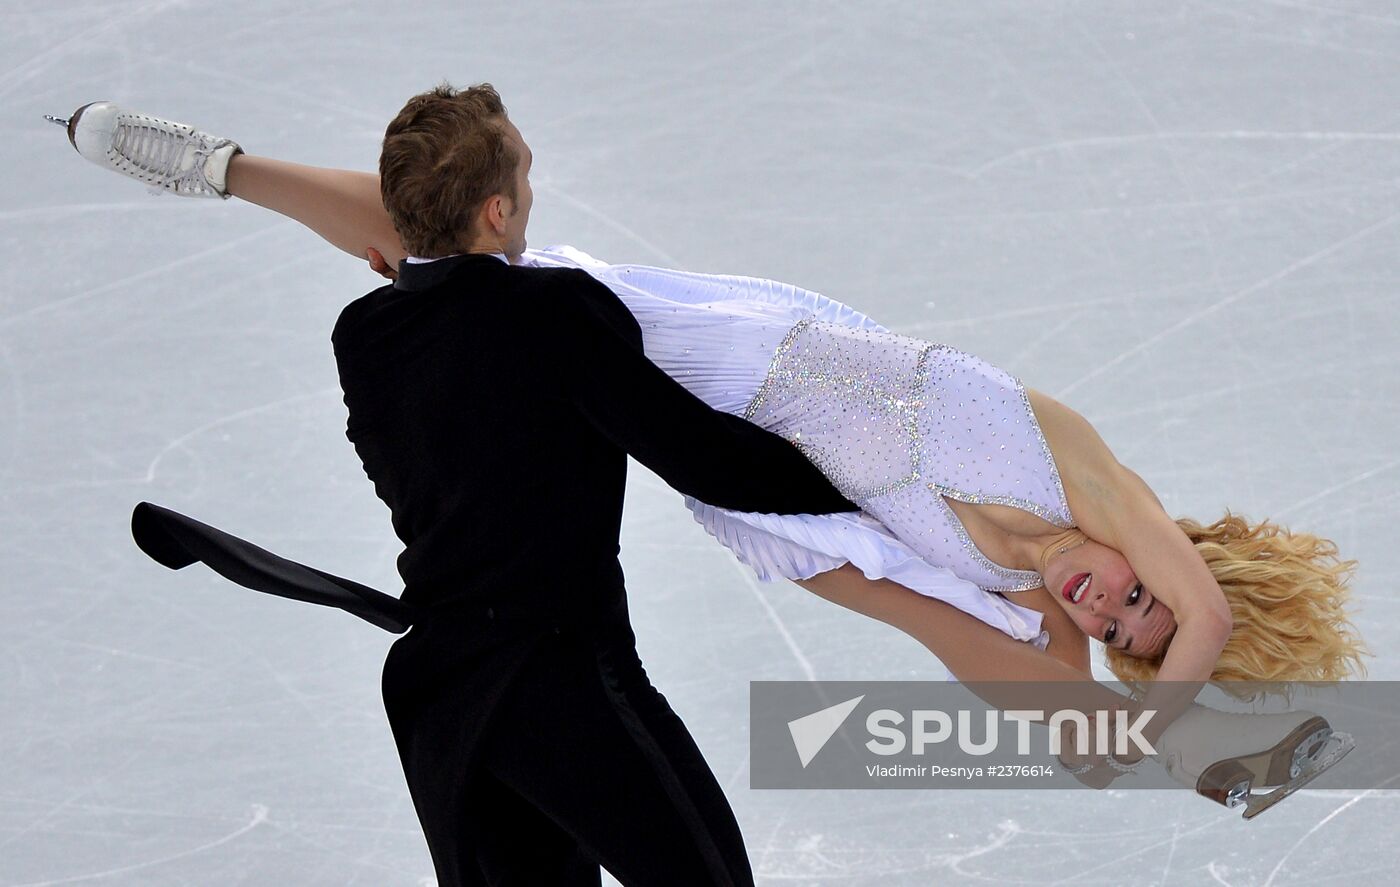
(498,209)
(489,213)
(507,206)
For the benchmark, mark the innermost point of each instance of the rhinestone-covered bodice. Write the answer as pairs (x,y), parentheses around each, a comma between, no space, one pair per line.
(899,423)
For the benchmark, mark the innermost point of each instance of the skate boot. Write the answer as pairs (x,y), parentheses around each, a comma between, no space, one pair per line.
(1226,756)
(164,154)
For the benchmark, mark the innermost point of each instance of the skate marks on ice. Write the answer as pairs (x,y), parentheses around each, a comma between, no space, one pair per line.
(1119,141)
(258,817)
(1173,839)
(1202,194)
(1229,300)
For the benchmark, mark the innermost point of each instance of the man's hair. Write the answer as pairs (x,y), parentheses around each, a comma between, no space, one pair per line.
(444,154)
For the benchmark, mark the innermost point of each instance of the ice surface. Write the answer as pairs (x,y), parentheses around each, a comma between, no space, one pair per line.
(1178,217)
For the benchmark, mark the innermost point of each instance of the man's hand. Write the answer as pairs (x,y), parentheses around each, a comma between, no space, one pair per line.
(379,266)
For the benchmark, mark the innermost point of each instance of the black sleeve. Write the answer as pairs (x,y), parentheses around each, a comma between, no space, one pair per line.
(718,458)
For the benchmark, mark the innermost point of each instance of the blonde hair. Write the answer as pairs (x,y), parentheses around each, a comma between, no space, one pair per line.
(1286,592)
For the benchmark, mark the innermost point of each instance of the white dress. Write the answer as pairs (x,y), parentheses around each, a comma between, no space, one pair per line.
(895,423)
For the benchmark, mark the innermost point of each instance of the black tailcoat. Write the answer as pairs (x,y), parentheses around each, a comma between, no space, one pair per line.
(494,407)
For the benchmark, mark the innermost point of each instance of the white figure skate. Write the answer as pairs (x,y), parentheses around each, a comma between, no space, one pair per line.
(1226,756)
(166,155)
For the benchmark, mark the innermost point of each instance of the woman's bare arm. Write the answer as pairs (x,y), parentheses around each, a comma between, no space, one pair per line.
(341,205)
(1114,506)
(973,651)
(1131,520)
(1006,673)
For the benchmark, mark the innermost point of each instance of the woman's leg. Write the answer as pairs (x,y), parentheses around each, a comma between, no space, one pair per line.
(341,205)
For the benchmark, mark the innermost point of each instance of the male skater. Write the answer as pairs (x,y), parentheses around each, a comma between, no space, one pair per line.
(494,407)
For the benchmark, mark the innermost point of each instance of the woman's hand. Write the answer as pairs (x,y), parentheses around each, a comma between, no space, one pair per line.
(379,266)
(1100,773)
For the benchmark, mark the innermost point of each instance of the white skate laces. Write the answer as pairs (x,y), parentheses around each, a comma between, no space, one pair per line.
(166,155)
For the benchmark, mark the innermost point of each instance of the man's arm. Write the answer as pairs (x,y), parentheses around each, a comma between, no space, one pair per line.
(700,451)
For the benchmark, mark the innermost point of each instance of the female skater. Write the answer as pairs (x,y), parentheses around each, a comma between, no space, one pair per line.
(972,486)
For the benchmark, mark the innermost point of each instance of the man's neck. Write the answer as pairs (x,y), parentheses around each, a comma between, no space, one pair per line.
(418,260)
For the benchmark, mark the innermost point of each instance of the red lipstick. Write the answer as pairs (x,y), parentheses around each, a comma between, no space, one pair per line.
(1067,591)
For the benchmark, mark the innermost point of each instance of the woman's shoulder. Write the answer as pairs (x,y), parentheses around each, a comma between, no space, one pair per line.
(1098,488)
(1074,443)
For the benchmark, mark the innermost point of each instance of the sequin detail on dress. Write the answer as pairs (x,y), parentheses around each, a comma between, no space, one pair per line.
(1010,580)
(831,391)
(876,411)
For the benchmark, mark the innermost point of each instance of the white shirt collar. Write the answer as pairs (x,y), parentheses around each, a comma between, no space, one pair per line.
(415,260)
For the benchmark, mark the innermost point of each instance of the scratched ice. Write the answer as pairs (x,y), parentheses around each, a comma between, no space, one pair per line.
(1179,217)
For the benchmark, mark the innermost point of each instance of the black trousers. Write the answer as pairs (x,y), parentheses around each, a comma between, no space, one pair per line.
(582,763)
(534,745)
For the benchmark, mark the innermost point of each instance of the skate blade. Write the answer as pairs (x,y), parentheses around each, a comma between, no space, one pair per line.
(71,124)
(1229,781)
(1338,744)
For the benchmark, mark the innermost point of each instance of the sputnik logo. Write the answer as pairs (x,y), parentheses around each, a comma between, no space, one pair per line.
(811,732)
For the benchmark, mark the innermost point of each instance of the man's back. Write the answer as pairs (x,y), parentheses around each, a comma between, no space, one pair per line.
(494,406)
(456,412)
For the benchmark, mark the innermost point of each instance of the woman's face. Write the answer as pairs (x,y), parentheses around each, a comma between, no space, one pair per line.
(1113,606)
